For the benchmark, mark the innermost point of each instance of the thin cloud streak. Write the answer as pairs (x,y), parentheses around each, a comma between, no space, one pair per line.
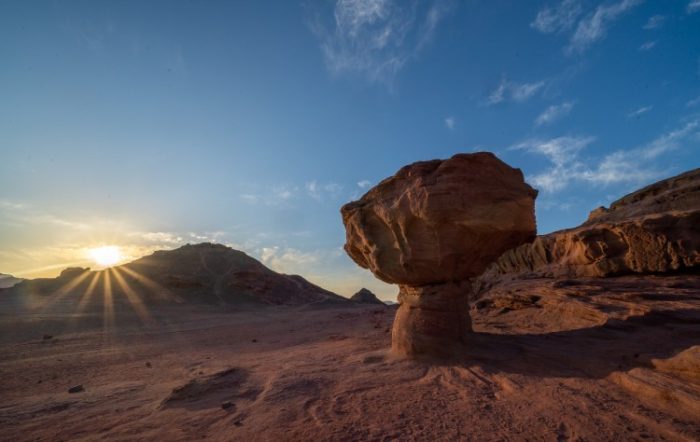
(594,26)
(377,38)
(693,7)
(563,17)
(634,165)
(591,28)
(554,113)
(647,46)
(639,112)
(654,22)
(512,91)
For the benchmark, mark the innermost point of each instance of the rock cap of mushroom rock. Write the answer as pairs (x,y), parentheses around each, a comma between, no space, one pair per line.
(440,221)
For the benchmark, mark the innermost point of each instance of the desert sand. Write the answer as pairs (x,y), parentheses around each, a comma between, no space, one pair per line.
(587,359)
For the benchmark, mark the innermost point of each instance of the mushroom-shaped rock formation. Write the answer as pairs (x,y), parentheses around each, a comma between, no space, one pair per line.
(432,227)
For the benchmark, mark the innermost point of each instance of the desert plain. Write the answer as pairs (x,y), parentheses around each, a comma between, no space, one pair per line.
(591,359)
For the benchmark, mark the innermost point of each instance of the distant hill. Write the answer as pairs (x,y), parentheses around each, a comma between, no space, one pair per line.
(202,273)
(7,281)
(365,296)
(215,273)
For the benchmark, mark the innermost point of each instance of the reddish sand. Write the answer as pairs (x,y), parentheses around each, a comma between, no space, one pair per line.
(613,359)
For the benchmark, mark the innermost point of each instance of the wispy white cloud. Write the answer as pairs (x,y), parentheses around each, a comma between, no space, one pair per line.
(313,190)
(251,198)
(286,194)
(594,26)
(283,192)
(669,141)
(22,213)
(639,112)
(693,7)
(292,260)
(633,166)
(562,152)
(333,189)
(694,102)
(554,112)
(509,90)
(557,19)
(319,191)
(654,22)
(450,123)
(364,184)
(159,237)
(646,46)
(377,38)
(591,28)
(499,94)
(522,92)
(276,195)
(285,259)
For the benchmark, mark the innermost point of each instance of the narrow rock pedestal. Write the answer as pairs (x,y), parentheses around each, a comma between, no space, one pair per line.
(432,320)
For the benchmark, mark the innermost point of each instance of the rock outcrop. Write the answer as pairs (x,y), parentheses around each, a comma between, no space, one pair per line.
(432,227)
(653,230)
(365,296)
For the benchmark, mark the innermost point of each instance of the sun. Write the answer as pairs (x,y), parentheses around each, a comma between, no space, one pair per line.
(106,256)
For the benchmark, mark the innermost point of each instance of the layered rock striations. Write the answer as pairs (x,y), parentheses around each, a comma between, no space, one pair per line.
(432,227)
(653,230)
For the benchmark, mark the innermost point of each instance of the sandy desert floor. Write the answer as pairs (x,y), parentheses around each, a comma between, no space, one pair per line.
(614,359)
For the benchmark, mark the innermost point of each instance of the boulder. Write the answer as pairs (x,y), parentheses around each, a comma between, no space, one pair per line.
(654,230)
(365,296)
(432,227)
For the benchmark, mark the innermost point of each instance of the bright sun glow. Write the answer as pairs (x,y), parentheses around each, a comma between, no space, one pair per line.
(106,256)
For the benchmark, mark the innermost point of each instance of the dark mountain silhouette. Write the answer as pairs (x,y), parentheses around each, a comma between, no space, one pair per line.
(202,273)
(365,296)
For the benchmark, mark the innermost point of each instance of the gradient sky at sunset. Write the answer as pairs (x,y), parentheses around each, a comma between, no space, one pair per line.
(148,125)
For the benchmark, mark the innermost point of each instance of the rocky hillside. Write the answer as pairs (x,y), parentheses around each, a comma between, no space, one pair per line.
(218,274)
(202,273)
(365,296)
(653,230)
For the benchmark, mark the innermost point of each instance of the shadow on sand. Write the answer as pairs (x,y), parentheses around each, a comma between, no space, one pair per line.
(592,352)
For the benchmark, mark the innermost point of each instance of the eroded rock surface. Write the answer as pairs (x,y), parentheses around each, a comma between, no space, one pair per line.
(653,230)
(440,221)
(432,227)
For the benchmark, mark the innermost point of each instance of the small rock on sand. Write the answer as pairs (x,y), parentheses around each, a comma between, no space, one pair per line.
(76,389)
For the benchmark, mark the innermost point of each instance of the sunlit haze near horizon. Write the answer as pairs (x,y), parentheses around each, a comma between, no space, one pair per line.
(131,126)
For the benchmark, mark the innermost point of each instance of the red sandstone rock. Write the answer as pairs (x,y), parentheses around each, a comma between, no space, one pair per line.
(431,319)
(653,230)
(430,228)
(440,221)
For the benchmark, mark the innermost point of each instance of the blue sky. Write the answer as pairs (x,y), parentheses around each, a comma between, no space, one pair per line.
(152,124)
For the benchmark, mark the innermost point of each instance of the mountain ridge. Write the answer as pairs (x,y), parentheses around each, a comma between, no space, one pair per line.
(204,273)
